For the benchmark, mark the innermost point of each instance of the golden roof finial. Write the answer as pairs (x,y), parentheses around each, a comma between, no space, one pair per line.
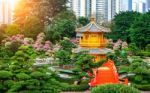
(93,19)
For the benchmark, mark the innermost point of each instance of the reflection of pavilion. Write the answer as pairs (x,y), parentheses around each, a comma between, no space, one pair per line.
(91,38)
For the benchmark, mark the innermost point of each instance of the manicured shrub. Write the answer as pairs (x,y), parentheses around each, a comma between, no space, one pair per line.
(147,47)
(144,54)
(114,88)
(5,74)
(68,87)
(82,86)
(23,76)
(143,87)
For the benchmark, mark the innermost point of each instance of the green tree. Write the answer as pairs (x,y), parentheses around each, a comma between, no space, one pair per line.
(62,26)
(140,31)
(2,32)
(12,29)
(64,57)
(120,25)
(32,27)
(83,65)
(19,75)
(65,52)
(67,45)
(45,10)
(82,21)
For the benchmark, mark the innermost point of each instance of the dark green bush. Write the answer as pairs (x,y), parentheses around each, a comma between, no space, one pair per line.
(18,75)
(66,80)
(82,86)
(37,74)
(114,88)
(143,87)
(5,74)
(23,76)
(68,87)
(147,47)
(144,53)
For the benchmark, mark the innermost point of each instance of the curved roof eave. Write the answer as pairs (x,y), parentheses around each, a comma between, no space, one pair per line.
(88,28)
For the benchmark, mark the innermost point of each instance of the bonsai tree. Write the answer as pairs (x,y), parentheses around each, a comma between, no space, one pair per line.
(18,75)
(84,64)
(65,52)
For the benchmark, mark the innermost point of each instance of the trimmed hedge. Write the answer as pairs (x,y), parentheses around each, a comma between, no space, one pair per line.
(81,87)
(144,53)
(114,88)
(142,87)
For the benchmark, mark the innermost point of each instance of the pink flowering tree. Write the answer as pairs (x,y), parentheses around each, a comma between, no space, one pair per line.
(40,45)
(120,45)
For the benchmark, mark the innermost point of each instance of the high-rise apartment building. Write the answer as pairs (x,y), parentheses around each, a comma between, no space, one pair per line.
(118,6)
(141,7)
(111,9)
(129,5)
(123,5)
(88,8)
(80,7)
(147,5)
(101,9)
(5,12)
(135,6)
(104,10)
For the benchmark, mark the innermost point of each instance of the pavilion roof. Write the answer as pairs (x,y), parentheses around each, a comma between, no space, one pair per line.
(92,27)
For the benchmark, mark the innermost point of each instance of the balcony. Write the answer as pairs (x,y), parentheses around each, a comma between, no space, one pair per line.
(86,44)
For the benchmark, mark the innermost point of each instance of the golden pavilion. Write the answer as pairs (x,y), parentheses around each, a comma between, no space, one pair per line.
(91,39)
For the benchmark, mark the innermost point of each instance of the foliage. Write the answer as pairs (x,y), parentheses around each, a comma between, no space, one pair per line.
(19,74)
(5,53)
(67,45)
(62,26)
(144,54)
(5,74)
(120,45)
(65,52)
(121,24)
(32,27)
(44,10)
(140,31)
(64,57)
(114,88)
(40,43)
(132,49)
(81,87)
(82,21)
(12,30)
(14,42)
(142,87)
(119,57)
(2,32)
(147,47)
(25,53)
(83,65)
(142,71)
